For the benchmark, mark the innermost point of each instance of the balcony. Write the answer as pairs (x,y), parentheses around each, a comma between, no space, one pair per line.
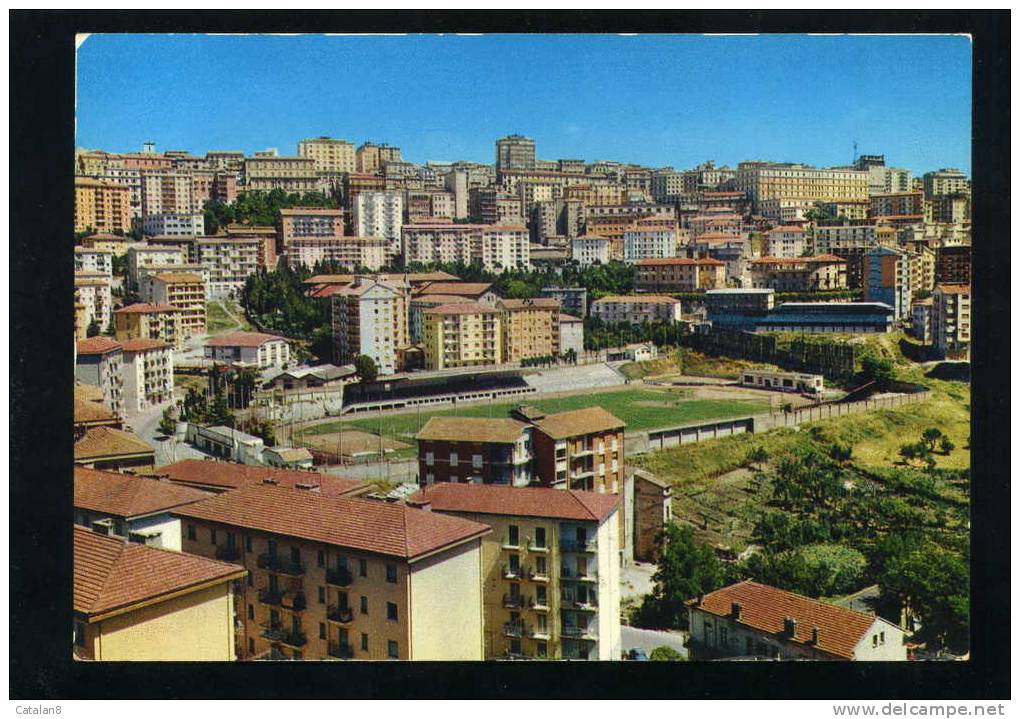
(228,554)
(514,629)
(533,547)
(517,601)
(340,651)
(508,544)
(340,615)
(583,452)
(273,597)
(586,633)
(589,604)
(588,546)
(279,565)
(572,576)
(339,577)
(278,633)
(516,657)
(294,601)
(511,572)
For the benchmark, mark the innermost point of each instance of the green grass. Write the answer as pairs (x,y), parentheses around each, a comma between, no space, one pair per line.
(671,408)
(217,319)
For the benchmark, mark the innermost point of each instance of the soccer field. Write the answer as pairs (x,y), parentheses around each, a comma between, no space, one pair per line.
(640,409)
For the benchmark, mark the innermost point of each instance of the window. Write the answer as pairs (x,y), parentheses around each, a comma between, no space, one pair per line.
(476,460)
(540,538)
(295,555)
(453,459)
(212,536)
(540,567)
(322,630)
(322,595)
(363,567)
(192,534)
(391,573)
(540,595)
(364,604)
(874,640)
(391,611)
(79,634)
(247,543)
(392,650)
(364,642)
(320,559)
(513,537)
(251,646)
(881,637)
(723,636)
(251,611)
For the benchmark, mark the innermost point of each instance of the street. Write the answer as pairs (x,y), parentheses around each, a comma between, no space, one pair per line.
(649,639)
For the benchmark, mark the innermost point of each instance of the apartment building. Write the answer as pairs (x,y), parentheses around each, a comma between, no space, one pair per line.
(131,602)
(496,247)
(785,209)
(786,241)
(750,620)
(573,300)
(380,214)
(578,449)
(356,253)
(291,174)
(99,362)
(250,348)
(185,291)
(174,224)
(950,209)
(679,274)
(768,180)
(887,279)
(799,274)
(590,193)
(92,291)
(310,223)
(588,250)
(264,236)
(229,261)
(530,327)
(650,241)
(571,334)
(667,185)
(920,320)
(897,204)
(515,152)
(492,206)
(101,206)
(837,239)
(370,317)
(331,156)
(148,370)
(952,265)
(93,261)
(475,450)
(635,309)
(951,321)
(342,578)
(117,244)
(370,157)
(550,568)
(426,205)
(462,334)
(149,321)
(946,181)
(168,192)
(140,256)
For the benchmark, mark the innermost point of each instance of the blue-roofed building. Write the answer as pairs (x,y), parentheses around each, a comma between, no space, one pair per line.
(738,309)
(835,317)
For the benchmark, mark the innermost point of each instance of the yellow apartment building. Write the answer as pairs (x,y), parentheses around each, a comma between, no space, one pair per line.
(331,156)
(344,578)
(101,206)
(551,572)
(531,328)
(184,291)
(462,334)
(138,603)
(149,321)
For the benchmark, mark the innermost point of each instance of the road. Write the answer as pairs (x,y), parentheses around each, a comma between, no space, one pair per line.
(649,639)
(146,425)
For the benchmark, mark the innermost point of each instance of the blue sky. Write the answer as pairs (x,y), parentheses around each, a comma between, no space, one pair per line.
(654,100)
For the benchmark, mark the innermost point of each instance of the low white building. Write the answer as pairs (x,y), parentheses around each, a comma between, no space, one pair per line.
(786,241)
(227,443)
(751,620)
(250,348)
(636,309)
(288,457)
(148,374)
(140,256)
(636,352)
(174,224)
(589,250)
(782,381)
(648,244)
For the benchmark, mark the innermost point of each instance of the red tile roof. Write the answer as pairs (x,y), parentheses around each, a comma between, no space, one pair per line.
(486,430)
(243,339)
(765,608)
(362,524)
(538,303)
(145,308)
(101,442)
(142,344)
(519,501)
(223,476)
(681,261)
(97,345)
(948,289)
(462,289)
(656,299)
(578,422)
(463,308)
(796,260)
(126,495)
(110,573)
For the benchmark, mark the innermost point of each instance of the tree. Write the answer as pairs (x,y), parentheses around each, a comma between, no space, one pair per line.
(931,436)
(93,329)
(758,456)
(946,445)
(841,452)
(666,654)
(366,368)
(877,370)
(686,570)
(167,423)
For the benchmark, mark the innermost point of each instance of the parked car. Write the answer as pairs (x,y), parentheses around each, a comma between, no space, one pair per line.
(636,655)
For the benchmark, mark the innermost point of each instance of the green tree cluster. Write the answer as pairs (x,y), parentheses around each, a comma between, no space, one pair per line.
(260,209)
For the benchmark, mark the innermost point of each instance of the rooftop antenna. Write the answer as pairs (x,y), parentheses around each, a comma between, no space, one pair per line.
(855,151)
(149,147)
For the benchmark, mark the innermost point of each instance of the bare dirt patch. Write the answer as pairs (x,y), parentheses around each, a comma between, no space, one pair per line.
(352,442)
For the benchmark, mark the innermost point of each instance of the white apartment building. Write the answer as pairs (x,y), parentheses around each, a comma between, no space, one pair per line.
(99,362)
(496,246)
(173,224)
(781,209)
(140,256)
(148,372)
(786,241)
(93,260)
(351,252)
(250,348)
(92,291)
(950,320)
(589,250)
(834,239)
(132,179)
(166,192)
(635,309)
(883,180)
(380,214)
(648,244)
(370,317)
(504,247)
(230,261)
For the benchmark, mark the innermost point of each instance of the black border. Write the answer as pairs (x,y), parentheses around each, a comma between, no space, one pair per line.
(42,92)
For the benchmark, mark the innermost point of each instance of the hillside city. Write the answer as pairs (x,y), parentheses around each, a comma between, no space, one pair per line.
(338,405)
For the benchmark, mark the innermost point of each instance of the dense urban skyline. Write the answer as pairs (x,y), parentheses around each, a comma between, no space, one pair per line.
(726,98)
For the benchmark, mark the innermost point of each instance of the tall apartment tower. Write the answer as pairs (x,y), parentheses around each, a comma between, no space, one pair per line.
(515,152)
(380,214)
